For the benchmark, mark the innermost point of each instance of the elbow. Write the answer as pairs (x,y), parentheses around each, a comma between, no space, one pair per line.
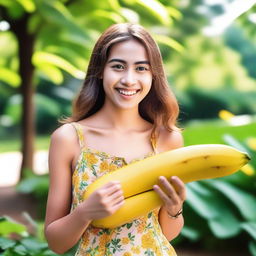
(57,249)
(54,245)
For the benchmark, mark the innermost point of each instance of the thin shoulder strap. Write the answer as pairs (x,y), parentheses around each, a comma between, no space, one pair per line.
(153,140)
(79,131)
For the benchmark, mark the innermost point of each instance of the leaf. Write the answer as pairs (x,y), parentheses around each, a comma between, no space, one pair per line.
(114,17)
(244,201)
(252,247)
(10,77)
(14,9)
(205,206)
(13,108)
(250,227)
(33,185)
(6,3)
(227,225)
(28,5)
(52,73)
(175,13)
(77,56)
(161,39)
(114,4)
(234,143)
(7,226)
(200,188)
(6,243)
(34,23)
(21,250)
(41,58)
(32,245)
(157,10)
(56,12)
(190,233)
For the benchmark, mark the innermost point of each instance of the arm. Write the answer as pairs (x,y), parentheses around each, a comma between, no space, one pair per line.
(58,216)
(171,192)
(101,203)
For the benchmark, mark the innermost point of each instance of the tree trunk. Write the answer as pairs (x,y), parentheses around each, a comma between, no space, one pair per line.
(26,71)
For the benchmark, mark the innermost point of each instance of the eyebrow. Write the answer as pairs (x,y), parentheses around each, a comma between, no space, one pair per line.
(124,62)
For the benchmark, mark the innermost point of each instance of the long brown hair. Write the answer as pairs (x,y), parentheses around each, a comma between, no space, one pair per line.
(159,107)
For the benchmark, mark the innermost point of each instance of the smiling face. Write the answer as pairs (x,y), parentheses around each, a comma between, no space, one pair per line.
(127,75)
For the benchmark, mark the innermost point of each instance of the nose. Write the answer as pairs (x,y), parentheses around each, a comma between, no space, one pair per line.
(129,78)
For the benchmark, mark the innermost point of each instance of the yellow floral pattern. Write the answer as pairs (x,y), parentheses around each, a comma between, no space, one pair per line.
(142,236)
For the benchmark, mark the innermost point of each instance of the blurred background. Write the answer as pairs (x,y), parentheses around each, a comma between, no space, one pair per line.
(209,52)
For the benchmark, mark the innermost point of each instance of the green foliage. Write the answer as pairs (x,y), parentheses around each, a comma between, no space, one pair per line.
(16,241)
(7,226)
(213,131)
(205,63)
(36,185)
(46,109)
(13,109)
(236,39)
(49,106)
(199,103)
(226,205)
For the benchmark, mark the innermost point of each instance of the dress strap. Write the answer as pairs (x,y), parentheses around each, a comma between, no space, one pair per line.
(79,130)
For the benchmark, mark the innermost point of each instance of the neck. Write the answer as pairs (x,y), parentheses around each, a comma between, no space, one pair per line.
(120,119)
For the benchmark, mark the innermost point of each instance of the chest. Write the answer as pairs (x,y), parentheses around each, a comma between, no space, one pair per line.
(128,145)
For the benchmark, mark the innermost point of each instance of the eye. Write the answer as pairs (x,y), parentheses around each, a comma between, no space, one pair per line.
(142,68)
(118,67)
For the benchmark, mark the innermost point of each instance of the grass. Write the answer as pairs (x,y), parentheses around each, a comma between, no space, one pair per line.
(196,132)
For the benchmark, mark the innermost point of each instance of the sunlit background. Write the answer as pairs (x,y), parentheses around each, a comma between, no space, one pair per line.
(209,53)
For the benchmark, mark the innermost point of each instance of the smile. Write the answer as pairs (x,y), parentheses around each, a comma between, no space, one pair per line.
(127,92)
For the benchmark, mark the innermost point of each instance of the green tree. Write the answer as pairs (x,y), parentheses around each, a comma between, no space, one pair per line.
(54,37)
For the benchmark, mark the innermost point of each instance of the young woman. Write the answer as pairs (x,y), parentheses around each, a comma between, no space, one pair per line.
(124,112)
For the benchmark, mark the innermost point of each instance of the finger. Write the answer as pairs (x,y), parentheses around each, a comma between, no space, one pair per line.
(111,184)
(113,205)
(169,189)
(179,186)
(116,196)
(111,188)
(118,205)
(112,197)
(161,194)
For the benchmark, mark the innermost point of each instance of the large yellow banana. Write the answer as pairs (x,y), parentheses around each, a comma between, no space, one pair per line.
(190,163)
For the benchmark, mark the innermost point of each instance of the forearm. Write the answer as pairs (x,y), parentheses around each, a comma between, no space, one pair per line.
(64,233)
(171,228)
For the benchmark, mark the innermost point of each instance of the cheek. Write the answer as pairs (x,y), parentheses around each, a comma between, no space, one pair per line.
(109,78)
(148,82)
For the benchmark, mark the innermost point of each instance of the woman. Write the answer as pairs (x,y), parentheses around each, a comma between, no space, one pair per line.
(124,112)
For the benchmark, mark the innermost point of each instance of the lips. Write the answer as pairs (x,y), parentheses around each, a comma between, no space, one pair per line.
(127,92)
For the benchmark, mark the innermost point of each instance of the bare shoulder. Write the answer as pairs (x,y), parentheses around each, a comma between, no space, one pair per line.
(64,142)
(64,134)
(168,140)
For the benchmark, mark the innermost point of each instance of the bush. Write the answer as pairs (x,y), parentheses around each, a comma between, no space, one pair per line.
(197,103)
(220,213)
(16,241)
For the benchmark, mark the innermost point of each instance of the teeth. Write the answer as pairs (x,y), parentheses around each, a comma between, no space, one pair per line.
(127,93)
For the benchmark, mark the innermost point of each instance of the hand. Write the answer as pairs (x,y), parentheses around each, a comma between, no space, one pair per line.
(173,194)
(103,201)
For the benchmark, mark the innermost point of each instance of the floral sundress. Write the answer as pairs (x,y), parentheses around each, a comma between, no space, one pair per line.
(142,236)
